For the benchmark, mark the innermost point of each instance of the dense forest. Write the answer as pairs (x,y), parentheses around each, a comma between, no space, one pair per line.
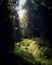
(25,32)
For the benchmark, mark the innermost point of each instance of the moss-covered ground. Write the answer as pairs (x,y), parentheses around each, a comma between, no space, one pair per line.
(35,51)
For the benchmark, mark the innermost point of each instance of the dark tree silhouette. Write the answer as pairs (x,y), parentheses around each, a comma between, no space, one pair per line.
(6,33)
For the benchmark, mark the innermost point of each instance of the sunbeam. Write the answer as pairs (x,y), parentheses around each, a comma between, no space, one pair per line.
(21,11)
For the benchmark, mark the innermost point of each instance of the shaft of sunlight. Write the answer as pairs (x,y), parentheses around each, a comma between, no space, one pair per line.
(20,8)
(21,13)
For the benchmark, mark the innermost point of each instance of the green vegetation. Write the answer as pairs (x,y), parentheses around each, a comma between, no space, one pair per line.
(34,51)
(19,36)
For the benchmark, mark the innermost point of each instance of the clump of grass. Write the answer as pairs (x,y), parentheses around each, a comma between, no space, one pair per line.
(34,51)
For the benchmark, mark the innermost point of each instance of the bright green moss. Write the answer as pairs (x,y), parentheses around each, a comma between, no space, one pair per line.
(32,51)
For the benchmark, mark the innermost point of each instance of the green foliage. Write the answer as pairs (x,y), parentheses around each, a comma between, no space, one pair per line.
(34,51)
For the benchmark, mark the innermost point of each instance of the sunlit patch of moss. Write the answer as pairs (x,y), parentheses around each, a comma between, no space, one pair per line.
(33,50)
(46,62)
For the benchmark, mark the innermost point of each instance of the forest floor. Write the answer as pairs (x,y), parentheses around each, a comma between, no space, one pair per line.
(35,51)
